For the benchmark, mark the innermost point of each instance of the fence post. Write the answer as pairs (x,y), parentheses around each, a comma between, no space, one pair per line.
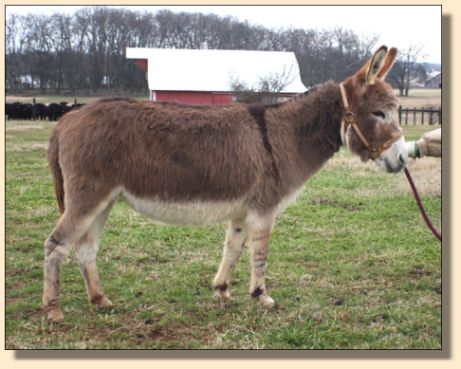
(414,115)
(422,116)
(34,109)
(400,114)
(430,116)
(406,116)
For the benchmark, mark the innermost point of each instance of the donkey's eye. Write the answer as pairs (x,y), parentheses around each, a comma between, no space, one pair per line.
(379,114)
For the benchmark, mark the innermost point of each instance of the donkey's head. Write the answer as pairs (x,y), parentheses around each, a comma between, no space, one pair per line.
(371,126)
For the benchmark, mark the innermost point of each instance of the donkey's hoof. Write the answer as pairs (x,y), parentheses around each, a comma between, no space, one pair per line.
(55,315)
(266,302)
(103,303)
(222,295)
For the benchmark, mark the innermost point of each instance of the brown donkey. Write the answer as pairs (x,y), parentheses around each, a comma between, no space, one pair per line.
(203,164)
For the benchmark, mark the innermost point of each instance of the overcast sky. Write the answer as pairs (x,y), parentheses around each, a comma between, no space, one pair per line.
(399,26)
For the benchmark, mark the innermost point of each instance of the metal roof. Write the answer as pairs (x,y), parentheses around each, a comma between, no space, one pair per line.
(216,70)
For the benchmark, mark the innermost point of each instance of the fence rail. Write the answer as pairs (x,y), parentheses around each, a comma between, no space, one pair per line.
(420,116)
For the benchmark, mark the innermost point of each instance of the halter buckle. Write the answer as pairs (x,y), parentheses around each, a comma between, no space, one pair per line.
(373,153)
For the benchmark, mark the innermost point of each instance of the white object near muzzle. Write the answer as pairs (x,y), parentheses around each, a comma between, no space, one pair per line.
(430,144)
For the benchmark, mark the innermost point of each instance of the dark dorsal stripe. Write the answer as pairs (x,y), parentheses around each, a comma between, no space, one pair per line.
(258,113)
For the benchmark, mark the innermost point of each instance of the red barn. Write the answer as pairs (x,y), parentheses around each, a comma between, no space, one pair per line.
(209,76)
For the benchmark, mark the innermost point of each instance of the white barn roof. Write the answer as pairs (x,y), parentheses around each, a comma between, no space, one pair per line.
(216,70)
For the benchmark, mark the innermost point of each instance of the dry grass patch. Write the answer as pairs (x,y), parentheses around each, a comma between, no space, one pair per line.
(419,98)
(353,164)
(427,175)
(23,127)
(30,146)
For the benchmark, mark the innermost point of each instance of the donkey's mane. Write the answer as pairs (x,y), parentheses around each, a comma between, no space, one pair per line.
(291,99)
(272,105)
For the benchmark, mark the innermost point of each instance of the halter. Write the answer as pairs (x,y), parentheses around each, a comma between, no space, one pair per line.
(349,120)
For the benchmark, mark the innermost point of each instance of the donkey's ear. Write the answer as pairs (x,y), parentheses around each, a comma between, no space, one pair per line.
(388,63)
(367,74)
(376,64)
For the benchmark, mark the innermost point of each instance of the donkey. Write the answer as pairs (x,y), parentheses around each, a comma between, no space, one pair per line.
(202,164)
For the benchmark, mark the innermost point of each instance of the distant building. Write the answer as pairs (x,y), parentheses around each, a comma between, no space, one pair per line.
(27,81)
(434,80)
(417,82)
(209,76)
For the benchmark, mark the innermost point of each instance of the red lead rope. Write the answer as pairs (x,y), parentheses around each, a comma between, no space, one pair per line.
(420,206)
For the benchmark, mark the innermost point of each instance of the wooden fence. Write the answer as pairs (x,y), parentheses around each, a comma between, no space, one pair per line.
(420,116)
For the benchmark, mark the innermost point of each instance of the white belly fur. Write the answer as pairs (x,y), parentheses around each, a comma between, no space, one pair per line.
(187,213)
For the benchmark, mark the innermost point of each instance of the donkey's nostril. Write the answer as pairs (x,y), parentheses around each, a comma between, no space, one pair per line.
(402,159)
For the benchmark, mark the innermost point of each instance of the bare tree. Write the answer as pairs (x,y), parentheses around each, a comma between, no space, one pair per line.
(405,68)
(39,52)
(267,89)
(60,37)
(15,42)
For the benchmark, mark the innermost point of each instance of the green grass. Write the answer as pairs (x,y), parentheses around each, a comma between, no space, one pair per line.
(352,266)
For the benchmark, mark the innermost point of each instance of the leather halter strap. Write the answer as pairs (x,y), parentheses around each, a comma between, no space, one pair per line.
(350,120)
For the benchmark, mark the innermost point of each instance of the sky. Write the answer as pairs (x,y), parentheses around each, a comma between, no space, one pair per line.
(399,26)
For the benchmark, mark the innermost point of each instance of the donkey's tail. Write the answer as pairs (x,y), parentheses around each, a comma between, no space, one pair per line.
(53,161)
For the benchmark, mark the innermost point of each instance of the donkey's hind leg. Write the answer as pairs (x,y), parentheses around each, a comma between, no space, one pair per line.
(235,240)
(87,248)
(72,225)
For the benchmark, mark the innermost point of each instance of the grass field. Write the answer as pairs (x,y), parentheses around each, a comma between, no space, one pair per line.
(422,98)
(352,266)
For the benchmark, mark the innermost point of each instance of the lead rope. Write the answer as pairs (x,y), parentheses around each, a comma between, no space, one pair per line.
(420,205)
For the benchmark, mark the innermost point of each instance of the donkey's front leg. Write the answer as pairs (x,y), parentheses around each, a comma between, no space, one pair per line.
(259,231)
(235,239)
